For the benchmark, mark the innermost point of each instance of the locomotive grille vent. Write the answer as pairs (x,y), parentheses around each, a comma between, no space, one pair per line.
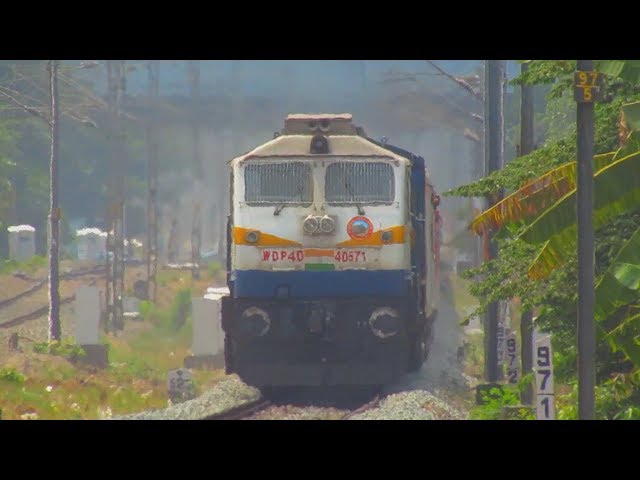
(359,183)
(278,183)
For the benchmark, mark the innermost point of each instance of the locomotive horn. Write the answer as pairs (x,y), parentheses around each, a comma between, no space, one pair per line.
(319,145)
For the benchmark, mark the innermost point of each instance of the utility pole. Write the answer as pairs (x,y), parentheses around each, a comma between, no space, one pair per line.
(494,148)
(526,147)
(153,68)
(232,146)
(585,93)
(54,213)
(115,235)
(196,226)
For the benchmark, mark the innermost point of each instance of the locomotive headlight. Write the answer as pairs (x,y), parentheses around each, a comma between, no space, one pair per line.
(327,224)
(384,322)
(252,237)
(255,321)
(310,225)
(387,236)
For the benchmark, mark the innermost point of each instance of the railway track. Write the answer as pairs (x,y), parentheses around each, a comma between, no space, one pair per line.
(249,410)
(25,293)
(244,411)
(41,283)
(38,312)
(14,322)
(367,406)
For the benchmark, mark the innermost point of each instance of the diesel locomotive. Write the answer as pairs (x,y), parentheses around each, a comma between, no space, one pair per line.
(333,245)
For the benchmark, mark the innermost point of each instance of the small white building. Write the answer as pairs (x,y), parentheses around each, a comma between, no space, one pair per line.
(92,244)
(134,249)
(22,242)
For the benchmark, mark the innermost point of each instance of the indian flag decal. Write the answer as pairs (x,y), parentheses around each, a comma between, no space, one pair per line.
(319,260)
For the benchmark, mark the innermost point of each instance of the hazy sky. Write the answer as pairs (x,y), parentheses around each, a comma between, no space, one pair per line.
(277,77)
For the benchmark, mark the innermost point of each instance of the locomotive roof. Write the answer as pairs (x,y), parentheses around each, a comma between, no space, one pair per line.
(345,139)
(339,145)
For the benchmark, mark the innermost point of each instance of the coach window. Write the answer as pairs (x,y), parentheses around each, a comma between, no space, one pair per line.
(359,183)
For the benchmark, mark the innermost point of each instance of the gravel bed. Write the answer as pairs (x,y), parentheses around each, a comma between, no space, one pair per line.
(291,412)
(224,396)
(411,405)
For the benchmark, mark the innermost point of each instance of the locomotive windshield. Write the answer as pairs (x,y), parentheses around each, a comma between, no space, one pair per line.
(278,183)
(359,183)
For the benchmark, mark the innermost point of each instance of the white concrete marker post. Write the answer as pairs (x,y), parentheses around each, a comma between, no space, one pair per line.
(130,307)
(87,315)
(208,336)
(207,329)
(88,312)
(543,368)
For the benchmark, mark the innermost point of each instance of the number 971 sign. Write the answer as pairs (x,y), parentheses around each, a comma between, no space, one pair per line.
(543,368)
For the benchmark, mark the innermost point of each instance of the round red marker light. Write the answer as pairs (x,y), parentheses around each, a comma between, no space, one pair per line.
(360,227)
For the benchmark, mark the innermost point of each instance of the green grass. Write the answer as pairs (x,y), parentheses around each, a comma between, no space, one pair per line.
(10,375)
(214,270)
(54,388)
(29,266)
(166,277)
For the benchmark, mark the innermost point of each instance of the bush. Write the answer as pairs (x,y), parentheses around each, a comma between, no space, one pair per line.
(11,375)
(66,348)
(180,309)
(497,398)
(174,317)
(146,309)
(615,399)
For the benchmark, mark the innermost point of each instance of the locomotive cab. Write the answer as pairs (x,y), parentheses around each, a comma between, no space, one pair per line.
(331,260)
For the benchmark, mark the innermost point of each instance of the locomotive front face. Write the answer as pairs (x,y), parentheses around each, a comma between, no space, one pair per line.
(320,257)
(332,214)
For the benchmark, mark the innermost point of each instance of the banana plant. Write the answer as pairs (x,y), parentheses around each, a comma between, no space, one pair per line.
(548,205)
(533,198)
(616,191)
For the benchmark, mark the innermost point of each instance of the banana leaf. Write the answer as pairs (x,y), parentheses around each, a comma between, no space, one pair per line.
(628,70)
(619,284)
(616,191)
(626,338)
(534,197)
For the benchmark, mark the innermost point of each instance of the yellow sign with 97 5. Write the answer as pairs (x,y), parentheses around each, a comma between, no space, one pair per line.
(588,86)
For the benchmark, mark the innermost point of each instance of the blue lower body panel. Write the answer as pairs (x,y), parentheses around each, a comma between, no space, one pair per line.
(345,283)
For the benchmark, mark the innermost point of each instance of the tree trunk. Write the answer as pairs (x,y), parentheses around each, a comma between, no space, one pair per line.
(196,233)
(54,213)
